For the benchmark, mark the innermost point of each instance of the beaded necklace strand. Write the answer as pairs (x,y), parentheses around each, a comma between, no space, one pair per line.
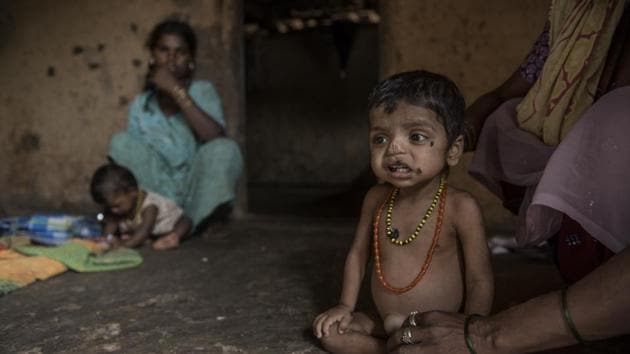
(429,257)
(136,209)
(392,233)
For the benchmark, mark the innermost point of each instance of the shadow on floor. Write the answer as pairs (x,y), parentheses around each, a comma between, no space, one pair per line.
(255,290)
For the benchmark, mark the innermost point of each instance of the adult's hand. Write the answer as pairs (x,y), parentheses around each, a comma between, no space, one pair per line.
(438,332)
(164,79)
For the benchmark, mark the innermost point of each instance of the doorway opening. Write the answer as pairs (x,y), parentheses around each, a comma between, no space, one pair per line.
(310,66)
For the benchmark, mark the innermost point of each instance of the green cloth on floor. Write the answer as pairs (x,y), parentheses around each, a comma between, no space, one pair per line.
(7,286)
(81,259)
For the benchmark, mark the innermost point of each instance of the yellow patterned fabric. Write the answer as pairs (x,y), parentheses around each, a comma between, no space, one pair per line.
(23,270)
(580,35)
(31,263)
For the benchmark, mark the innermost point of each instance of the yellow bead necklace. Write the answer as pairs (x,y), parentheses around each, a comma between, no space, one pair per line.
(392,233)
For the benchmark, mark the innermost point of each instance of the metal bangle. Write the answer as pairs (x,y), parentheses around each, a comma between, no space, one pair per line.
(183,96)
(406,337)
(567,317)
(412,318)
(469,343)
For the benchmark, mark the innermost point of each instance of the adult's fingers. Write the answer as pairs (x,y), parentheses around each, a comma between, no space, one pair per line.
(427,319)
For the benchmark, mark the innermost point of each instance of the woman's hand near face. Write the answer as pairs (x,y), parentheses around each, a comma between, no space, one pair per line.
(164,79)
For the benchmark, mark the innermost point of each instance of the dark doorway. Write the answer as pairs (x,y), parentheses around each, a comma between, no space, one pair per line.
(310,66)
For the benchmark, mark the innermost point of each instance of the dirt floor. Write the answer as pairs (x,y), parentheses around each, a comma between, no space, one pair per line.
(255,289)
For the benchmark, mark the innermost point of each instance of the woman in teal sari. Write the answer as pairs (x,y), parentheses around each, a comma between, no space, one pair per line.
(175,141)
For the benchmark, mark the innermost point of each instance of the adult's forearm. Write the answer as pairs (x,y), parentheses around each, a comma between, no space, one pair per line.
(202,125)
(598,306)
(476,115)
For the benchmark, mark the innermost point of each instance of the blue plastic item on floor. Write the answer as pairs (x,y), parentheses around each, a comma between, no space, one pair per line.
(50,229)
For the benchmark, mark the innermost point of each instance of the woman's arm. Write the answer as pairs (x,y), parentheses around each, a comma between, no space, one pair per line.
(149,215)
(482,107)
(517,85)
(598,305)
(203,125)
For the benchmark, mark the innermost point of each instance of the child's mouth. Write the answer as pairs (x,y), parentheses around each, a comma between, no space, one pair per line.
(399,168)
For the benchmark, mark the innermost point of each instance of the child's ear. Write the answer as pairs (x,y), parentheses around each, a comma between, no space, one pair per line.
(455,151)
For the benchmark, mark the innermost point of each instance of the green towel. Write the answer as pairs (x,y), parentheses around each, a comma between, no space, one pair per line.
(7,286)
(81,259)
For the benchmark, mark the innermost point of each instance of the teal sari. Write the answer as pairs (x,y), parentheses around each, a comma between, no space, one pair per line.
(166,158)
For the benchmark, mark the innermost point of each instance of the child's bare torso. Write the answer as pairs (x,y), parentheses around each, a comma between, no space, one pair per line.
(441,287)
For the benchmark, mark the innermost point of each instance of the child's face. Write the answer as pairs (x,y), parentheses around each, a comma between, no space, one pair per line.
(408,147)
(121,204)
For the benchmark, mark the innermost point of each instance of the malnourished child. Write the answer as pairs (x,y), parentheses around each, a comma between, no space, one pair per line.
(427,238)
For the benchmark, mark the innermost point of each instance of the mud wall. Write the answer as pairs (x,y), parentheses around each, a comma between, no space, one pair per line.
(476,43)
(69,70)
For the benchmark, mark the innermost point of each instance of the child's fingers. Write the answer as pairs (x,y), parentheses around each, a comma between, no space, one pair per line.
(317,325)
(344,323)
(327,323)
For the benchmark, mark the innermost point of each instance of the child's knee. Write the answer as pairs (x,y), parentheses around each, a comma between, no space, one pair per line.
(334,341)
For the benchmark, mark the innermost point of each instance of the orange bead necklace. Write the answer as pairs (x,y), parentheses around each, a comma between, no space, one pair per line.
(429,257)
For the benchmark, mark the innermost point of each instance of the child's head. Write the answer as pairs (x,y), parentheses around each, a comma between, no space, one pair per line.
(423,89)
(114,187)
(416,120)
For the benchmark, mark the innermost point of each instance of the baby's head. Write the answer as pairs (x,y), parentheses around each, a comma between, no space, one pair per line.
(423,89)
(416,121)
(114,187)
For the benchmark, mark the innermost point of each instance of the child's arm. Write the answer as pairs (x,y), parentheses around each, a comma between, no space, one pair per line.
(354,270)
(149,215)
(108,233)
(479,278)
(110,226)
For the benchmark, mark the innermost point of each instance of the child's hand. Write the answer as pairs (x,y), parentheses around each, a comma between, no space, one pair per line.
(339,313)
(114,242)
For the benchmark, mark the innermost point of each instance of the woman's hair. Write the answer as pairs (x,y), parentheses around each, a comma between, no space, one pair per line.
(175,27)
(423,89)
(111,179)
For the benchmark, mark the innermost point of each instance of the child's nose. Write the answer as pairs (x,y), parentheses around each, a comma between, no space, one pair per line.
(395,147)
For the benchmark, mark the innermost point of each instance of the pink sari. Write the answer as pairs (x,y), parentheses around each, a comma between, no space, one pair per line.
(585,176)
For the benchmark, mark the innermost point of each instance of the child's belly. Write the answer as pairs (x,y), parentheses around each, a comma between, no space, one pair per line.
(441,288)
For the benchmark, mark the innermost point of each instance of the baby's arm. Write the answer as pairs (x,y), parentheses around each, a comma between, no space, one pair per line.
(149,215)
(110,227)
(479,278)
(354,270)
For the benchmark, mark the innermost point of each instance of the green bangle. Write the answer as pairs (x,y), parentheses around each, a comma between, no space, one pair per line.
(567,317)
(469,343)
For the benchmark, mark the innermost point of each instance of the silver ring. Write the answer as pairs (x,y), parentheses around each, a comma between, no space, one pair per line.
(405,338)
(412,318)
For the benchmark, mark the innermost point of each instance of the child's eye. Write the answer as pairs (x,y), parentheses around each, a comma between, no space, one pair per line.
(417,137)
(378,140)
